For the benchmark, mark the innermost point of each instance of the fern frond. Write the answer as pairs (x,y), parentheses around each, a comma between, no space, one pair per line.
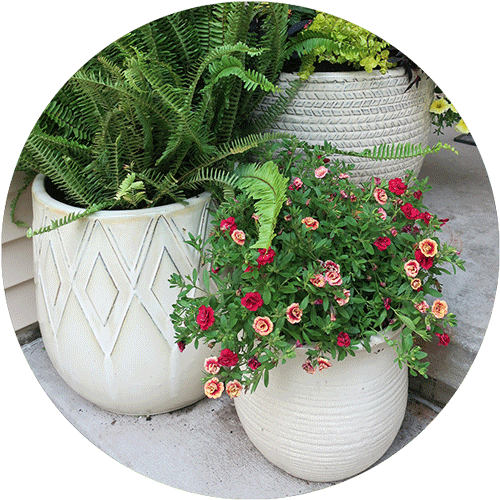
(228,181)
(267,186)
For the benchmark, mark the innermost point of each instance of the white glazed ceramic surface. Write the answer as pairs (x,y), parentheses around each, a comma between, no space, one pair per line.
(104,300)
(332,424)
(358,110)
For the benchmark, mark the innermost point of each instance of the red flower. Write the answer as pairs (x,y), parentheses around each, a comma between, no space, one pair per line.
(228,358)
(417,194)
(205,317)
(228,224)
(382,242)
(253,363)
(343,340)
(265,257)
(444,338)
(410,211)
(252,301)
(181,346)
(426,217)
(425,262)
(397,186)
(442,222)
(387,303)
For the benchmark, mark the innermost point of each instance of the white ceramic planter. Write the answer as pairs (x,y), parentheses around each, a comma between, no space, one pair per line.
(358,110)
(330,425)
(104,300)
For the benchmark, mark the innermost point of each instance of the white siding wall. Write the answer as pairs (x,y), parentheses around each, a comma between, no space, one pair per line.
(17,260)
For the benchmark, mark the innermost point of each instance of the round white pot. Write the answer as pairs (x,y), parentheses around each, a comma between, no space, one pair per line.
(104,300)
(358,110)
(332,424)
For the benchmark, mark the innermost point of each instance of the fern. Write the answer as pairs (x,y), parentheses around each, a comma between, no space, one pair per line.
(268,187)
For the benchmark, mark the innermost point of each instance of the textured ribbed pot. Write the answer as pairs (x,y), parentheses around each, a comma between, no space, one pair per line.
(358,110)
(332,424)
(104,300)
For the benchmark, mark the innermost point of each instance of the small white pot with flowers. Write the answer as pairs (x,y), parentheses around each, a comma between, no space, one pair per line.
(316,329)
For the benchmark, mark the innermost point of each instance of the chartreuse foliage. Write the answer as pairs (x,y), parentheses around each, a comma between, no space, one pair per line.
(345,263)
(164,108)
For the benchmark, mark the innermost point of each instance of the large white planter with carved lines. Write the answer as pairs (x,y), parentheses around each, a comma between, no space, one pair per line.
(358,110)
(104,300)
(332,424)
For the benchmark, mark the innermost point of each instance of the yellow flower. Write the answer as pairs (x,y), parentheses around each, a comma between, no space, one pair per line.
(439,106)
(461,127)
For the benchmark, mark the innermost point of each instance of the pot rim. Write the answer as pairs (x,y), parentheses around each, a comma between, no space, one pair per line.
(39,192)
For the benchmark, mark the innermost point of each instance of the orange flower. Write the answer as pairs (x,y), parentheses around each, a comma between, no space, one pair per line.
(428,247)
(234,388)
(238,237)
(416,283)
(213,388)
(439,309)
(310,223)
(262,325)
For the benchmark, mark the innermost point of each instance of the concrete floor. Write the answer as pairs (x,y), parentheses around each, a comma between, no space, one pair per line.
(176,449)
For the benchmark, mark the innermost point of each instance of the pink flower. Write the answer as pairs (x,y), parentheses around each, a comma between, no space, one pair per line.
(439,309)
(323,363)
(213,388)
(310,223)
(343,301)
(320,172)
(343,176)
(343,340)
(288,218)
(308,367)
(333,277)
(394,232)
(387,303)
(253,363)
(422,307)
(377,181)
(227,358)
(383,213)
(252,301)
(205,317)
(265,257)
(397,186)
(263,325)
(382,242)
(297,183)
(228,224)
(234,388)
(318,280)
(380,195)
(212,365)
(238,237)
(411,268)
(293,313)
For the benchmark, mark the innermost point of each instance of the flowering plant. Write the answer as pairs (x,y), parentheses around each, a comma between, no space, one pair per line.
(444,114)
(346,262)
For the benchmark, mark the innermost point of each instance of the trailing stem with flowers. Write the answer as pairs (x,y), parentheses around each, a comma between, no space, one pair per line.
(346,262)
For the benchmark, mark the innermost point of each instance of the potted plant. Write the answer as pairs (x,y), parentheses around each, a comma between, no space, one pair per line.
(357,92)
(122,157)
(322,291)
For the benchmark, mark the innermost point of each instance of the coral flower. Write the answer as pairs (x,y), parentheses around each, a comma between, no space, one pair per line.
(318,280)
(308,367)
(323,363)
(382,213)
(320,172)
(341,301)
(422,306)
(428,247)
(213,388)
(238,236)
(439,309)
(416,284)
(262,325)
(333,277)
(310,223)
(293,313)
(411,268)
(380,195)
(234,388)
(212,365)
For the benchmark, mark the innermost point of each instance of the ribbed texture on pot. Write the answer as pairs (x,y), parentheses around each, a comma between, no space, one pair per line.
(330,425)
(358,110)
(104,301)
